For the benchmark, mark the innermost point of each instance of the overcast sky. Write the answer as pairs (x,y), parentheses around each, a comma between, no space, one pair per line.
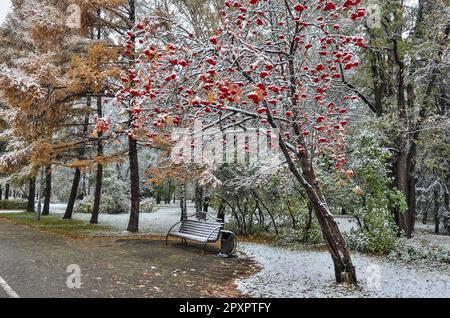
(4,9)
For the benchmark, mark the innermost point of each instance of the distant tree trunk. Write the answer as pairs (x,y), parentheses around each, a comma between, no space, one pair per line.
(158,197)
(425,216)
(7,191)
(221,210)
(1,192)
(436,211)
(198,199)
(83,190)
(308,223)
(48,190)
(183,201)
(291,214)
(206,204)
(77,176)
(99,176)
(31,194)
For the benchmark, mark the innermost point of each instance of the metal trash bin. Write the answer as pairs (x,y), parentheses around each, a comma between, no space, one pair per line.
(228,243)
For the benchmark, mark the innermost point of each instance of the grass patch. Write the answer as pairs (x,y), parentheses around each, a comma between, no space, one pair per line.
(55,224)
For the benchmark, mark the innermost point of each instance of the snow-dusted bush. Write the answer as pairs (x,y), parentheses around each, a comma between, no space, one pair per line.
(370,165)
(405,251)
(147,205)
(380,240)
(108,205)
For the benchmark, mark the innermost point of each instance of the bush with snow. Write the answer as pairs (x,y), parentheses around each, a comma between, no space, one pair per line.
(406,251)
(147,205)
(380,240)
(108,204)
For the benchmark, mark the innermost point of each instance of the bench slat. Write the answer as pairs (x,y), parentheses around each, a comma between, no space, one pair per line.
(205,235)
(202,224)
(191,237)
(201,229)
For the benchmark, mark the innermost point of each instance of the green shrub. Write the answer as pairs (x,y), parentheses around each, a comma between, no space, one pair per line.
(379,240)
(107,205)
(13,204)
(301,235)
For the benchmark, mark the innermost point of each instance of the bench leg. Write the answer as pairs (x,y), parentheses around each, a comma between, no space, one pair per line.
(167,237)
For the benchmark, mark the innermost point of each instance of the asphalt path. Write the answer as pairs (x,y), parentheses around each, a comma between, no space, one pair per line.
(36,264)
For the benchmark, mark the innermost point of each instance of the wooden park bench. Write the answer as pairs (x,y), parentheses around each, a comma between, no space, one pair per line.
(204,232)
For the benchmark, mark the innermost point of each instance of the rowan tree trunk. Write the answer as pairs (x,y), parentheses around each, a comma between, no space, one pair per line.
(31,194)
(47,190)
(99,176)
(340,253)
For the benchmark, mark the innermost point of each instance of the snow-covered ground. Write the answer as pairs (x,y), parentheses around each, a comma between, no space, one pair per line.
(156,223)
(302,273)
(309,273)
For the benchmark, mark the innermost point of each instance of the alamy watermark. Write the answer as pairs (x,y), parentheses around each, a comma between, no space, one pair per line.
(373,273)
(374,15)
(74,279)
(73,19)
(217,146)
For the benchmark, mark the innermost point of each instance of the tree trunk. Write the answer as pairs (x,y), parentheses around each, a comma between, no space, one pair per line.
(7,191)
(436,211)
(31,194)
(99,176)
(308,223)
(76,179)
(73,194)
(340,254)
(48,190)
(425,215)
(221,211)
(133,225)
(198,198)
(183,202)
(406,184)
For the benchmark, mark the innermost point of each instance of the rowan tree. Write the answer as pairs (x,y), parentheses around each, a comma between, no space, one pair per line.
(278,65)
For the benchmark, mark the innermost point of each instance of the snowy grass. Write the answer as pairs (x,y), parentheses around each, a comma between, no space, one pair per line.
(55,224)
(300,273)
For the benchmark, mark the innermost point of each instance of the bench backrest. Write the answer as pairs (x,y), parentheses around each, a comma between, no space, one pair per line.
(202,229)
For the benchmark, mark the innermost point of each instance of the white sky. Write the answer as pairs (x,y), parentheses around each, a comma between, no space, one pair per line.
(4,9)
